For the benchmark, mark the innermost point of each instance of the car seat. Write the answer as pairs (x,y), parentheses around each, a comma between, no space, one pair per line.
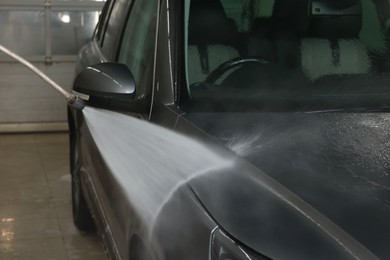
(275,36)
(332,46)
(211,39)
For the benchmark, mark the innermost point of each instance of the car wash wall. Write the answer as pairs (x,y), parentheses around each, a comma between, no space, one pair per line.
(47,33)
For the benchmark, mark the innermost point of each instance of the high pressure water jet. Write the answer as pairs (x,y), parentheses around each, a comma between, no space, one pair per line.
(72,100)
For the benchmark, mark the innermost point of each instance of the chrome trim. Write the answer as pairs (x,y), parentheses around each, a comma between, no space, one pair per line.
(154,85)
(211,240)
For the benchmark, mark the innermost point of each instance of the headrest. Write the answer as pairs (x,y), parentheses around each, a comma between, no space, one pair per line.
(335,19)
(264,26)
(291,15)
(208,23)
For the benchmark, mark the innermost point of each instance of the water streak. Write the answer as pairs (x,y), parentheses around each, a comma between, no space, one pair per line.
(148,161)
(244,144)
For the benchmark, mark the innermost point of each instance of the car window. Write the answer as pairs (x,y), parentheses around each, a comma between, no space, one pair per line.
(233,9)
(138,42)
(288,55)
(104,16)
(113,27)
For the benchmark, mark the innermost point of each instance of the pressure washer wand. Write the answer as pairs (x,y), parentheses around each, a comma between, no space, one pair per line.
(70,98)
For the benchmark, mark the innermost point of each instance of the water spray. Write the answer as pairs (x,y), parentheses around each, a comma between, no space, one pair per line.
(72,100)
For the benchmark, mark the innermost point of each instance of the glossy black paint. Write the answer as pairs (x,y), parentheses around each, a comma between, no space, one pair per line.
(111,80)
(336,162)
(183,219)
(257,218)
(110,86)
(286,200)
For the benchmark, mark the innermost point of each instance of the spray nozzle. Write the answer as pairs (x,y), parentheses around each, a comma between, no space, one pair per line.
(76,102)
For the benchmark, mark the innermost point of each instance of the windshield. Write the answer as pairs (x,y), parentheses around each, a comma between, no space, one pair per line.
(287,55)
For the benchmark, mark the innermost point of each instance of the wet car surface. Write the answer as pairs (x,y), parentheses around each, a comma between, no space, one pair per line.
(337,162)
(246,130)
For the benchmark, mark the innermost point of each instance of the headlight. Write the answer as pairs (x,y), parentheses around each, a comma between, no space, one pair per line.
(223,247)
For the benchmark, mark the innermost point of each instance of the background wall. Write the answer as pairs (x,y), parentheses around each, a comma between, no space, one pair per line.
(49,34)
(25,98)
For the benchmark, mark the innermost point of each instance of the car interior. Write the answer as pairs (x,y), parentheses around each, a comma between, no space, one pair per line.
(330,47)
(212,38)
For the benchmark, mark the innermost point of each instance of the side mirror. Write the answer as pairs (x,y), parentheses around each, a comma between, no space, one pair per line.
(109,86)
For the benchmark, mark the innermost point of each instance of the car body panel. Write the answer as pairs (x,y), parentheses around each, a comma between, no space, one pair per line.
(267,220)
(101,193)
(119,177)
(284,210)
(183,218)
(336,162)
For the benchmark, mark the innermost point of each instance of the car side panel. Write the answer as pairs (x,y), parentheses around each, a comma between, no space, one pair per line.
(183,228)
(105,195)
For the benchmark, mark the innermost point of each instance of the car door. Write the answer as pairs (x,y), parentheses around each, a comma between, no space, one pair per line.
(136,50)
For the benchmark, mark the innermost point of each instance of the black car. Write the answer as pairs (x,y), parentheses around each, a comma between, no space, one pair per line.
(235,129)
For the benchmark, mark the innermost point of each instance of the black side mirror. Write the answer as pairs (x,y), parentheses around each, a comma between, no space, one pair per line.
(109,86)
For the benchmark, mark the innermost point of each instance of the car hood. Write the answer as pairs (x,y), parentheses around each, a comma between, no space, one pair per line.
(339,163)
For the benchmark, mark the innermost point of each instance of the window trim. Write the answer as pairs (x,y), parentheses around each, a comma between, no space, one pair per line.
(155,84)
(182,95)
(103,29)
(155,50)
(99,25)
(123,31)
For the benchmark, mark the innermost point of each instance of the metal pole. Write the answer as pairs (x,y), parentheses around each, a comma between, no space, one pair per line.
(48,47)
